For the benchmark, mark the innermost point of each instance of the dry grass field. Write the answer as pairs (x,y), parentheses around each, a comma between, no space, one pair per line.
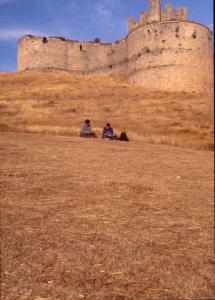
(93,219)
(58,102)
(104,220)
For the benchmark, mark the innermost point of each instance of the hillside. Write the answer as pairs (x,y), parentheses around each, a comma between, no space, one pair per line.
(104,220)
(58,102)
(95,219)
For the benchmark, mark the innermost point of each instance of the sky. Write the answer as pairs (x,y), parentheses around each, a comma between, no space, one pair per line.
(78,20)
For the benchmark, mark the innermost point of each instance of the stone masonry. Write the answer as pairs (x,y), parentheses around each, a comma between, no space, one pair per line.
(162,51)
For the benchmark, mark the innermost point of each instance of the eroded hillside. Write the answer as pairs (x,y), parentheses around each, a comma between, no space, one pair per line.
(58,102)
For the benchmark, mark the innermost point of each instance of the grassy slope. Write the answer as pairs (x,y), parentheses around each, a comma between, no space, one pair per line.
(58,102)
(97,220)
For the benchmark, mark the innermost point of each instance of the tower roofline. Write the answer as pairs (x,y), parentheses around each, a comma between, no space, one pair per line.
(172,21)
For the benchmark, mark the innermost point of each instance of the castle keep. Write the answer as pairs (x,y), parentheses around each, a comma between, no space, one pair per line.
(162,51)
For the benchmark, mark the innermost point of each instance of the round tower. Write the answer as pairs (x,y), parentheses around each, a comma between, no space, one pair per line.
(171,55)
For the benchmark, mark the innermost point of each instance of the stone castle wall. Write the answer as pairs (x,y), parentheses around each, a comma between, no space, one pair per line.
(85,57)
(163,51)
(171,56)
(33,53)
(88,57)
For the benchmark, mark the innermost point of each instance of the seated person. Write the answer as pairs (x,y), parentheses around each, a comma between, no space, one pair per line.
(86,130)
(108,132)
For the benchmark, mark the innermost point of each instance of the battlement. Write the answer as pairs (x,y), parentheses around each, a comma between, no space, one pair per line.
(154,14)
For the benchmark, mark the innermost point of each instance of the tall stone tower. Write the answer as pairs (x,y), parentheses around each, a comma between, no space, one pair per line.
(155,11)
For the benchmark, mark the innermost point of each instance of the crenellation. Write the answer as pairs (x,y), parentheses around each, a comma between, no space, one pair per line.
(144,17)
(181,14)
(132,24)
(154,11)
(184,14)
(167,14)
(162,51)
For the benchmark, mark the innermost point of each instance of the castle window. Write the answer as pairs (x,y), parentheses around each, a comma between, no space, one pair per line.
(177,29)
(163,41)
(45,40)
(81,47)
(194,35)
(148,31)
(110,67)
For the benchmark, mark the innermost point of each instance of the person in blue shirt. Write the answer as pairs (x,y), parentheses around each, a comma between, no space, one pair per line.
(108,132)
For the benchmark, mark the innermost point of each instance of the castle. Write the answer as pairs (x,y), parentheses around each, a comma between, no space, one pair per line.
(162,51)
